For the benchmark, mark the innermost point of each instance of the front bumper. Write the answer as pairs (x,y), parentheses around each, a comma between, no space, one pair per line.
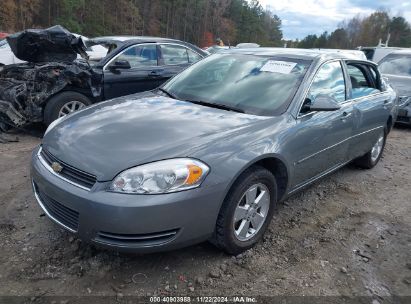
(128,222)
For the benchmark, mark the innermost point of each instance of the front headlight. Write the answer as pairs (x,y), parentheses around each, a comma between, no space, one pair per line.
(161,177)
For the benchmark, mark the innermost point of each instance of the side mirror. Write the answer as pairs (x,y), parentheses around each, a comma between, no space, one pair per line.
(324,103)
(120,64)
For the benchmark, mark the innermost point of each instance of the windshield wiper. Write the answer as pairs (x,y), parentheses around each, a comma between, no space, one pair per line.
(217,105)
(168,93)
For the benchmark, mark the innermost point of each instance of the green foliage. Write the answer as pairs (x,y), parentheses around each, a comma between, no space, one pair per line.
(233,21)
(363,31)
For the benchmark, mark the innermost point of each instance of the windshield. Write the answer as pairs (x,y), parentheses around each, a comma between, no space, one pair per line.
(396,64)
(257,85)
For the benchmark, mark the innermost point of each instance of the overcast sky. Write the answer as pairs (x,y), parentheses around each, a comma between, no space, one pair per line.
(303,17)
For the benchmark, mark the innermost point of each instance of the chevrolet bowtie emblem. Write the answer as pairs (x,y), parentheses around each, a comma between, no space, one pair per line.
(56,167)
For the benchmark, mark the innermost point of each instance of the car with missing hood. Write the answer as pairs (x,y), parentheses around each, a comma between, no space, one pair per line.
(54,83)
(209,154)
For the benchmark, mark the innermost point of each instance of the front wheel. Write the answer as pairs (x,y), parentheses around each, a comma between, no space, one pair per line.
(246,211)
(63,104)
(372,157)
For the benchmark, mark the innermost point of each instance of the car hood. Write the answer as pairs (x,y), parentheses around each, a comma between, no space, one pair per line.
(55,44)
(118,134)
(402,84)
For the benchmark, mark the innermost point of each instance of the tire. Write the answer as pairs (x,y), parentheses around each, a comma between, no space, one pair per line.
(228,233)
(372,157)
(55,104)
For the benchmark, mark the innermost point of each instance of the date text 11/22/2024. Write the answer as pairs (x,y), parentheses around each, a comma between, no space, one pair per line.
(203,299)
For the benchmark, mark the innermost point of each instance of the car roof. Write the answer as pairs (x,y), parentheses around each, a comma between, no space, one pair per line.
(305,54)
(130,39)
(401,52)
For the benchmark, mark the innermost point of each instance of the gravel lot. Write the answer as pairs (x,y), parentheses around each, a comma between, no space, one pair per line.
(348,234)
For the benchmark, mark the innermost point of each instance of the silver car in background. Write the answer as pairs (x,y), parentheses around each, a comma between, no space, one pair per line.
(396,66)
(209,154)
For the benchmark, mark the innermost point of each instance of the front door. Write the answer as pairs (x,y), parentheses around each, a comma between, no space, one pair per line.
(143,74)
(322,138)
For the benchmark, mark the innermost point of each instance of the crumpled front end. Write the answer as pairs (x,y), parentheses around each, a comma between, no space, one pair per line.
(52,67)
(25,88)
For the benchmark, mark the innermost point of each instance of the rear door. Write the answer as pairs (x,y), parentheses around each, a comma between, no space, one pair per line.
(322,138)
(371,106)
(174,58)
(141,76)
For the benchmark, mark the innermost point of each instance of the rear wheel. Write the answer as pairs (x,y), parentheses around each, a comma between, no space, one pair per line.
(246,211)
(63,104)
(373,156)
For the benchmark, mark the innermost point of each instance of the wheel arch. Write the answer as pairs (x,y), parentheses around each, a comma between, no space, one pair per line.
(273,163)
(52,101)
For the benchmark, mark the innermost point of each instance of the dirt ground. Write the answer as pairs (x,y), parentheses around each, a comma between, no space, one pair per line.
(348,234)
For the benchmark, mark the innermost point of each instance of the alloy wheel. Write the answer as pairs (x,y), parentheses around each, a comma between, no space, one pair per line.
(377,148)
(70,107)
(251,212)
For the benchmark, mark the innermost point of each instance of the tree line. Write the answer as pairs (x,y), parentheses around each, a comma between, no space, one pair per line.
(362,31)
(198,21)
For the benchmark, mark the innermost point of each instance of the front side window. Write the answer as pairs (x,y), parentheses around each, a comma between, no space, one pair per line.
(329,80)
(260,85)
(362,83)
(174,54)
(396,64)
(139,55)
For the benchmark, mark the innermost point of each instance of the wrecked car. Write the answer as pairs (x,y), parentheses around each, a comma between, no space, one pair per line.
(54,82)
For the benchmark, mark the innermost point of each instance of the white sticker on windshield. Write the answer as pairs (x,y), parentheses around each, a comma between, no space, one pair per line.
(283,67)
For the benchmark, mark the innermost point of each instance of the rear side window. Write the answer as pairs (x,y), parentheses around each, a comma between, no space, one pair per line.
(396,64)
(363,80)
(140,55)
(329,80)
(193,56)
(174,54)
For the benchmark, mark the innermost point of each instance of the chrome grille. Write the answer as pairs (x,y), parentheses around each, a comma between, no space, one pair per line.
(77,176)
